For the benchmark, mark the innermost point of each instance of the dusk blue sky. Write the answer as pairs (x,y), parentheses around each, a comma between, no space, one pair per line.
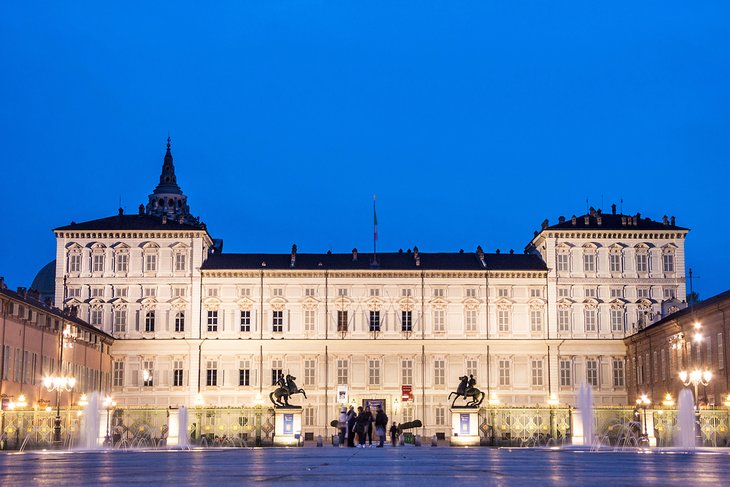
(471,121)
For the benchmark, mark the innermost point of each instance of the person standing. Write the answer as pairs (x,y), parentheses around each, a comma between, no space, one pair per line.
(342,424)
(393,432)
(381,421)
(361,426)
(351,427)
(369,428)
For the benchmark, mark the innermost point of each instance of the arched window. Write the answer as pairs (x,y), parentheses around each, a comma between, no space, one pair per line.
(149,321)
(180,322)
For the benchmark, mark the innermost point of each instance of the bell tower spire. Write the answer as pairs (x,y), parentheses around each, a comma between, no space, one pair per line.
(167,198)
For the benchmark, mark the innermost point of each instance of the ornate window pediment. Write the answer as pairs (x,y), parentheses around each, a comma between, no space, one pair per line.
(374,304)
(537,303)
(645,303)
(118,303)
(245,304)
(616,248)
(73,247)
(564,247)
(439,303)
(407,303)
(278,304)
(669,248)
(96,303)
(151,246)
(590,303)
(178,303)
(642,247)
(618,303)
(471,303)
(504,303)
(211,304)
(565,303)
(148,303)
(590,247)
(96,247)
(179,246)
(119,246)
(342,303)
(73,302)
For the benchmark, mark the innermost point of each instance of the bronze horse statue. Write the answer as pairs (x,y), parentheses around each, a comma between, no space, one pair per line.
(467,390)
(286,388)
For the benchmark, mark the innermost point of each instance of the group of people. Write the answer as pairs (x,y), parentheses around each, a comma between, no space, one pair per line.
(360,425)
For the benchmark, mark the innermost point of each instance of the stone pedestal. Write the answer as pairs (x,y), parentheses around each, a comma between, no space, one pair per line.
(464,427)
(287,426)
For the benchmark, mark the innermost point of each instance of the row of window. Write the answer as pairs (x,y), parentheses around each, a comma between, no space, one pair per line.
(617,292)
(643,262)
(120,263)
(665,364)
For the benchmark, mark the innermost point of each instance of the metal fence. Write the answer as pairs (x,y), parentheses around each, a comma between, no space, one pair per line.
(712,427)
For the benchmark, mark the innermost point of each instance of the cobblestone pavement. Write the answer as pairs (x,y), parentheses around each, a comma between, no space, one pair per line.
(370,466)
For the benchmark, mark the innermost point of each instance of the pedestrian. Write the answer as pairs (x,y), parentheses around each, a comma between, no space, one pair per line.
(361,425)
(381,421)
(393,432)
(350,427)
(342,424)
(369,428)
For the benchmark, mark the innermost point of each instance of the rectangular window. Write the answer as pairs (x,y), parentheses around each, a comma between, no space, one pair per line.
(438,293)
(244,377)
(655,366)
(374,320)
(180,262)
(149,292)
(535,320)
(97,261)
(535,293)
(592,372)
(177,373)
(211,373)
(471,292)
(614,262)
(438,321)
(148,373)
(566,373)
(179,322)
(150,262)
(212,292)
(309,320)
(563,262)
(563,292)
(720,352)
(120,292)
(97,292)
(406,320)
(341,321)
(73,292)
(616,292)
(440,415)
(74,263)
(118,374)
(277,321)
(309,416)
(471,320)
(504,372)
(471,367)
(642,292)
(309,291)
(245,321)
(503,292)
(668,262)
(374,292)
(537,373)
(439,372)
(564,320)
(277,371)
(213,320)
(407,372)
(670,293)
(277,291)
(309,372)
(374,372)
(149,322)
(589,262)
(97,316)
(342,368)
(122,262)
(590,320)
(642,263)
(342,292)
(617,320)
(503,319)
(663,363)
(618,372)
(405,292)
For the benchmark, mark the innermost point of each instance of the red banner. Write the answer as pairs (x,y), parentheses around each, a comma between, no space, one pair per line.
(406,393)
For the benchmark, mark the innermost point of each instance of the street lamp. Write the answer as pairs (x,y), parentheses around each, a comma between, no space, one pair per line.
(58,384)
(696,377)
(643,402)
(109,404)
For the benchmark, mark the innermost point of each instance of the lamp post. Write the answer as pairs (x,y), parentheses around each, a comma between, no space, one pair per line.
(696,377)
(58,384)
(643,402)
(109,404)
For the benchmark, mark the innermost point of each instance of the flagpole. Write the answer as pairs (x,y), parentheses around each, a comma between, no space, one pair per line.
(375,233)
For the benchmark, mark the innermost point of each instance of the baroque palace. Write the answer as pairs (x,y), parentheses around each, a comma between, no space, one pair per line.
(192,324)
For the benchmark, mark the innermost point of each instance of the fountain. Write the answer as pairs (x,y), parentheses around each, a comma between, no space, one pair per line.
(90,424)
(685,420)
(183,435)
(585,406)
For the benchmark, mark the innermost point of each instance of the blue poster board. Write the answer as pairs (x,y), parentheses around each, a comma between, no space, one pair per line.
(288,424)
(374,403)
(464,423)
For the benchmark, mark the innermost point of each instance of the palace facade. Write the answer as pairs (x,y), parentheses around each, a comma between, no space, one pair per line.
(193,324)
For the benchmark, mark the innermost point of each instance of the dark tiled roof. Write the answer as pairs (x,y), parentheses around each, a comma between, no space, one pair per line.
(613,222)
(386,261)
(52,310)
(130,222)
(718,298)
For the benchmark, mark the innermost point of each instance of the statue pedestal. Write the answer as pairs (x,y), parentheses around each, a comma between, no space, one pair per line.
(287,426)
(464,426)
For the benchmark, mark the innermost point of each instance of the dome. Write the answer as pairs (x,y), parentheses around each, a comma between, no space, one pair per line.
(45,281)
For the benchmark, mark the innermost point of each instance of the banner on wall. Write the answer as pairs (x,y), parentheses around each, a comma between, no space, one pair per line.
(342,394)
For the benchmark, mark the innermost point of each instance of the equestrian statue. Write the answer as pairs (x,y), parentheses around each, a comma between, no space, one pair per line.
(286,387)
(468,390)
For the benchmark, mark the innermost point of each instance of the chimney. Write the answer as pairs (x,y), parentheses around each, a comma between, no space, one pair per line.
(164,218)
(511,251)
(293,255)
(416,256)
(637,218)
(574,220)
(141,209)
(613,209)
(22,291)
(623,220)
(587,220)
(2,283)
(599,220)
(545,224)
(671,220)
(498,251)
(561,219)
(121,211)
(592,211)
(354,254)
(181,219)
(665,220)
(480,253)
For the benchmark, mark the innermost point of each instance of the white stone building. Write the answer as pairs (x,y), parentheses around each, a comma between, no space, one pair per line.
(194,323)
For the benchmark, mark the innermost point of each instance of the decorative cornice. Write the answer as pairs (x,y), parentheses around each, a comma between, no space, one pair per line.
(248,273)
